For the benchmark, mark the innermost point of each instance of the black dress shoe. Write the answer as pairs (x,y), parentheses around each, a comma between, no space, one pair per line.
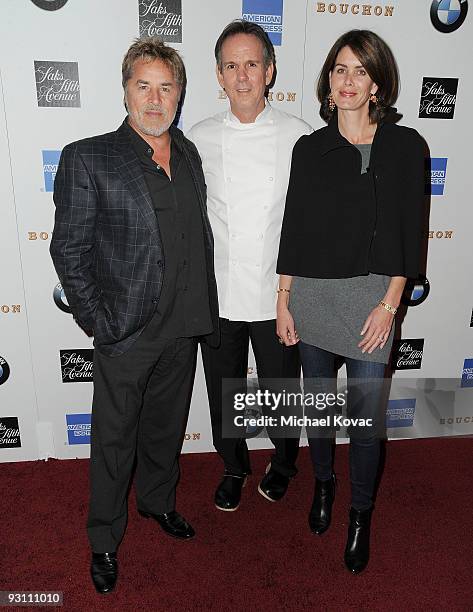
(357,550)
(228,492)
(172,523)
(320,513)
(273,486)
(104,571)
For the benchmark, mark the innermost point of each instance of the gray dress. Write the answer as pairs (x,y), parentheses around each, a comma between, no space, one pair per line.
(330,312)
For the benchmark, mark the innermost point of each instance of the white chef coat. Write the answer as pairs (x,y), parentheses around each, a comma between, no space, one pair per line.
(246,167)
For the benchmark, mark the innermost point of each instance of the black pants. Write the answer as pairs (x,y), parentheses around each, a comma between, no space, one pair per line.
(140,408)
(230,360)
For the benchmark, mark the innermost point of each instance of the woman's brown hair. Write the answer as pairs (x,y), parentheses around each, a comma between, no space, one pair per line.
(376,58)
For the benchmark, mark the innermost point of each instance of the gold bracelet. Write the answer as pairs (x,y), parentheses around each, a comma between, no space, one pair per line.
(283,291)
(388,307)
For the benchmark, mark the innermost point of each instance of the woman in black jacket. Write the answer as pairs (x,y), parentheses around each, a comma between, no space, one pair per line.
(351,236)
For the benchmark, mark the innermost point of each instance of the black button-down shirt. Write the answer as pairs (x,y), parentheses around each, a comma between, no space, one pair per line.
(183,306)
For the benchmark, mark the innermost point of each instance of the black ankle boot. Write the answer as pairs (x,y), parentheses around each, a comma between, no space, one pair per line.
(321,512)
(357,550)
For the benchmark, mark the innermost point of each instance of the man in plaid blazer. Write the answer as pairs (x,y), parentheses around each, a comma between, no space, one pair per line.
(133,248)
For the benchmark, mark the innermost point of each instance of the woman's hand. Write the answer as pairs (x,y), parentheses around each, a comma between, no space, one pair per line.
(284,322)
(376,329)
(285,326)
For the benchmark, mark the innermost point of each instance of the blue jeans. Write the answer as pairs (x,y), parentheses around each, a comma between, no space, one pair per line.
(320,374)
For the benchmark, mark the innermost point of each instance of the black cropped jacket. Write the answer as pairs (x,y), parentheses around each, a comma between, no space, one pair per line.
(339,223)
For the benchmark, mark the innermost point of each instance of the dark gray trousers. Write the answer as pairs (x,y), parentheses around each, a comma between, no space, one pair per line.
(140,407)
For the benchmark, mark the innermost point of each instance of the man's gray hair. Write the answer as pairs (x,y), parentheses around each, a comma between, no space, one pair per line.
(149,49)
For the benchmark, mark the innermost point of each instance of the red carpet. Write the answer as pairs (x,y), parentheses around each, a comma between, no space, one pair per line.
(261,557)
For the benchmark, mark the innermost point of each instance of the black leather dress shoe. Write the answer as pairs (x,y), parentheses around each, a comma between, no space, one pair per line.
(104,571)
(357,550)
(273,486)
(320,514)
(172,523)
(228,493)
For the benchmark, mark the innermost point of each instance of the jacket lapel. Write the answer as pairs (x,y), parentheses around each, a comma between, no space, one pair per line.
(129,168)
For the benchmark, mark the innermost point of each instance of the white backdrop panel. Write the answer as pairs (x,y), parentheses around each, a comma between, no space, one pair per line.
(95,35)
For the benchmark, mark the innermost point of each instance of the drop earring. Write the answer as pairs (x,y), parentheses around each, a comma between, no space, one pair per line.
(331,102)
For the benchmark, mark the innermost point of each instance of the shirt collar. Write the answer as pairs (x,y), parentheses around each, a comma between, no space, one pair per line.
(263,117)
(140,145)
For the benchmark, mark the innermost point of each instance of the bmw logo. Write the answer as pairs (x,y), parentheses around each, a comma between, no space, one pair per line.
(4,370)
(60,299)
(253,431)
(416,291)
(448,15)
(49,5)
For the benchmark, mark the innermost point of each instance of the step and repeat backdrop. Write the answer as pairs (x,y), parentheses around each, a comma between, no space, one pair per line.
(60,80)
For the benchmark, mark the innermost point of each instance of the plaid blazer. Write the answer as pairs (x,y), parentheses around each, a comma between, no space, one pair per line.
(106,244)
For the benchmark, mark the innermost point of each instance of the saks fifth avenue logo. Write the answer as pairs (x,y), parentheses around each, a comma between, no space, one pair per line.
(161,18)
(407,354)
(9,433)
(351,8)
(57,83)
(77,365)
(438,98)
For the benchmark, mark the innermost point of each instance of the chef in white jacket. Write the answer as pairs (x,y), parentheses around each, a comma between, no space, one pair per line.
(246,154)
